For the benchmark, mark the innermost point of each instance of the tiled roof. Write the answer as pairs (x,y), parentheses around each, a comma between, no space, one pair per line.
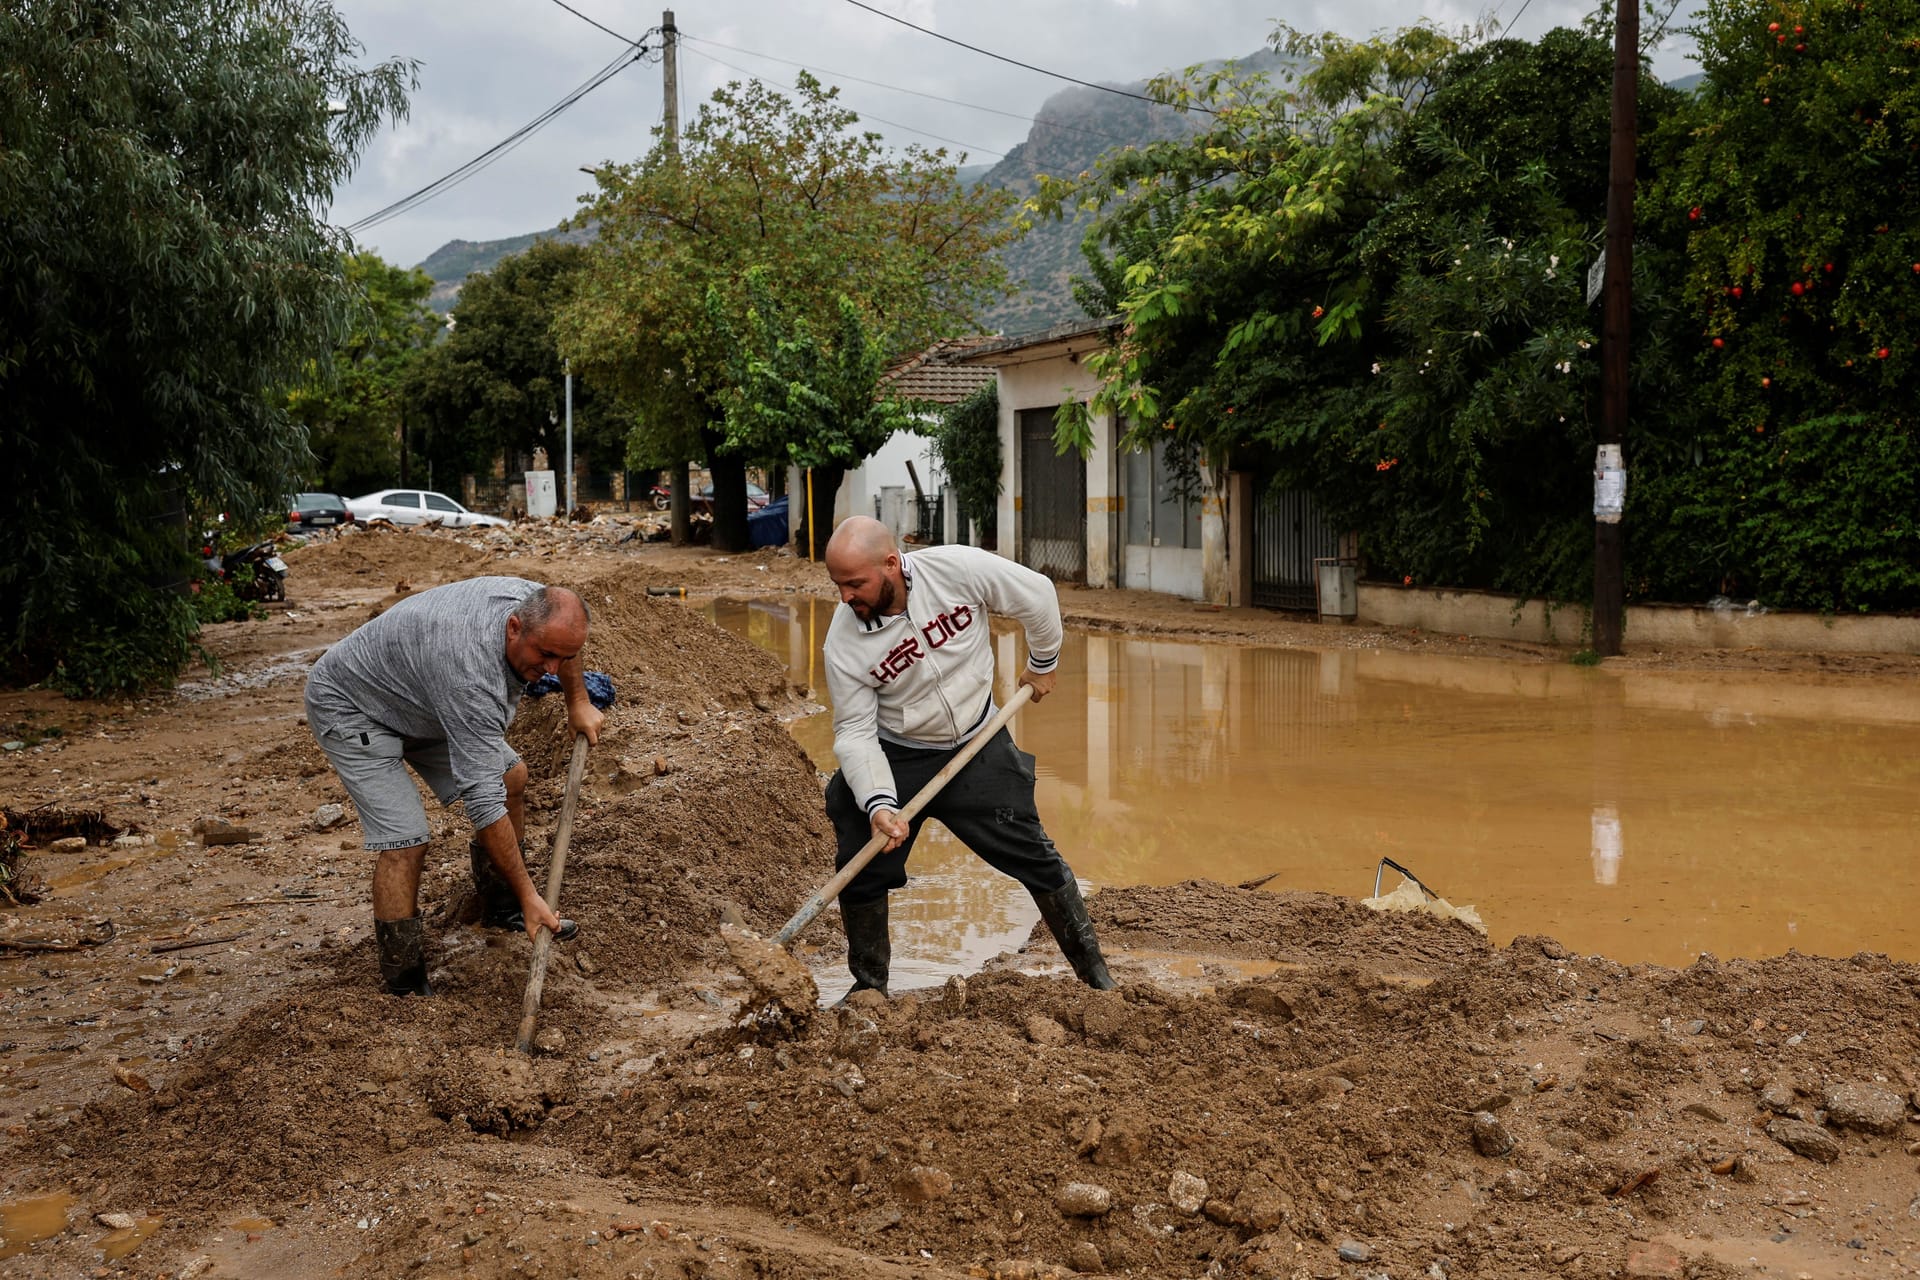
(932,377)
(1082,334)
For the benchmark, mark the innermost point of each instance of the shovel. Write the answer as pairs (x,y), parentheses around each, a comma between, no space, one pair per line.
(843,877)
(543,943)
(775,976)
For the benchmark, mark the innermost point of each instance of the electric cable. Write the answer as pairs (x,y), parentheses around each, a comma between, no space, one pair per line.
(454,178)
(1028,66)
(918,93)
(864,115)
(609,30)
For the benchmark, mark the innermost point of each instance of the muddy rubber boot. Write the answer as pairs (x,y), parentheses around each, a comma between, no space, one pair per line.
(403,955)
(1065,912)
(499,908)
(869,949)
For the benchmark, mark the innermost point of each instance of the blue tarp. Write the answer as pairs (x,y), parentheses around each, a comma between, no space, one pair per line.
(767,527)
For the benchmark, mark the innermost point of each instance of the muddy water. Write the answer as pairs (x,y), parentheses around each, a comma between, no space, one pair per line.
(1649,816)
(24,1223)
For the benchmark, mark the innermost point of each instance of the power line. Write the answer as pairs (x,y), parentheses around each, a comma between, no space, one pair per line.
(442,185)
(865,115)
(1057,75)
(609,30)
(918,93)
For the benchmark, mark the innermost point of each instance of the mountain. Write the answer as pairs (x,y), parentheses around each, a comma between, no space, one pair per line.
(454,261)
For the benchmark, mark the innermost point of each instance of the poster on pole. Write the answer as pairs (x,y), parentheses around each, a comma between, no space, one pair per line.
(1596,276)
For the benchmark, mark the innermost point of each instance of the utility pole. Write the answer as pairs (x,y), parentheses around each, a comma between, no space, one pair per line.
(680,486)
(568,366)
(1609,467)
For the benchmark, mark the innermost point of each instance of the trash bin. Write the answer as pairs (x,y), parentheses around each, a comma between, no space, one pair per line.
(1338,579)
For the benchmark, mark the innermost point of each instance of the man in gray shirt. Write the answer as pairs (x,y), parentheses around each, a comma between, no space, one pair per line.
(434,682)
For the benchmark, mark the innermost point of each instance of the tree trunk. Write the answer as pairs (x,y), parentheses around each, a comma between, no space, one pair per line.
(729,497)
(824,486)
(680,504)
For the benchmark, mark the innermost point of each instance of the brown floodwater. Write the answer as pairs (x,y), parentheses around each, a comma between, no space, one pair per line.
(1647,816)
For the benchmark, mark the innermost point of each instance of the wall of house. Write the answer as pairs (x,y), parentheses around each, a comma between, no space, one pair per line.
(1040,384)
(887,470)
(1654,626)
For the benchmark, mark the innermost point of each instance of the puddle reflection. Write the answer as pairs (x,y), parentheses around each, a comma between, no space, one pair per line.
(1648,816)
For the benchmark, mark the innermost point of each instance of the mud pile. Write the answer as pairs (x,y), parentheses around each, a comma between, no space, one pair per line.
(1336,1094)
(1514,1114)
(696,806)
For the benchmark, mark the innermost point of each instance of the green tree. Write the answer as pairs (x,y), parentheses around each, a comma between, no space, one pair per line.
(498,382)
(165,278)
(967,438)
(356,418)
(1369,284)
(1792,176)
(1250,320)
(804,398)
(786,185)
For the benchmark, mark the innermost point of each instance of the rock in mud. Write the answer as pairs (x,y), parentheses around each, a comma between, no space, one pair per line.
(1259,998)
(1778,1098)
(1086,1258)
(1083,1200)
(215,831)
(329,816)
(923,1184)
(1490,1137)
(1805,1139)
(1121,1143)
(1864,1106)
(1186,1192)
(116,1221)
(1043,1030)
(1353,1251)
(1651,1260)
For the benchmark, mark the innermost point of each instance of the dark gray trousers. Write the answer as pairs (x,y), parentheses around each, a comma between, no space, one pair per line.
(988,806)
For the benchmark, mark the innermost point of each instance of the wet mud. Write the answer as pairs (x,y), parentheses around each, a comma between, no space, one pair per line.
(1286,1084)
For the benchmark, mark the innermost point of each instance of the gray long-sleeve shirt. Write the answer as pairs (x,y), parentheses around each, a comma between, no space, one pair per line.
(434,667)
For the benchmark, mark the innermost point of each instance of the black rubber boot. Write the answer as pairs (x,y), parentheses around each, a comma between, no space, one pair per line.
(499,908)
(869,949)
(1065,912)
(403,955)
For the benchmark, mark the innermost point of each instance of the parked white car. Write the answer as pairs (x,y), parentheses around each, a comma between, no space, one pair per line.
(417,506)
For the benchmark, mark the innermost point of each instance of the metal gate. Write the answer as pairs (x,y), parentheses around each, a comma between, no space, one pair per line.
(1288,533)
(1053,502)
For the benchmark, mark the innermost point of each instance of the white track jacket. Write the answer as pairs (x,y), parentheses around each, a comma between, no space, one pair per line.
(924,678)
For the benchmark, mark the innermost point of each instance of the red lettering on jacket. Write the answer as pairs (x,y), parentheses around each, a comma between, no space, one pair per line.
(899,658)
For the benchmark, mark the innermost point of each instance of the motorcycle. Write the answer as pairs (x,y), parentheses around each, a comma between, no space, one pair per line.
(254,571)
(660,496)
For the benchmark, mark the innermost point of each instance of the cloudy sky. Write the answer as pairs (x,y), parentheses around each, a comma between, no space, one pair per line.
(489,67)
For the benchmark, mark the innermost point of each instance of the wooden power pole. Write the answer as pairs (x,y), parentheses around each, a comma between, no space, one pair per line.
(680,485)
(1609,469)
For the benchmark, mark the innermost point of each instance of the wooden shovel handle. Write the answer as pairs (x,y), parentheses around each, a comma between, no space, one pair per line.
(842,878)
(543,942)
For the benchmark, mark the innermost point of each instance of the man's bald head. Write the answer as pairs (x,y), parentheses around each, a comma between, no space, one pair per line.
(864,562)
(860,540)
(544,630)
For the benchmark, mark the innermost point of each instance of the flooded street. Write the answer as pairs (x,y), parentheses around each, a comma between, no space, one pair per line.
(1648,816)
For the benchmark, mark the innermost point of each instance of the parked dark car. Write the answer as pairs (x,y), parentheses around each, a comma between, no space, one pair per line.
(316,511)
(756,498)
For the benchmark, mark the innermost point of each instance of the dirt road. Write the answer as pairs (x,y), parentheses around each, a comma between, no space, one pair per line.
(1325,1092)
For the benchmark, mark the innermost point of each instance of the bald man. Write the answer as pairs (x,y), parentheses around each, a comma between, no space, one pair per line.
(433,683)
(910,667)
